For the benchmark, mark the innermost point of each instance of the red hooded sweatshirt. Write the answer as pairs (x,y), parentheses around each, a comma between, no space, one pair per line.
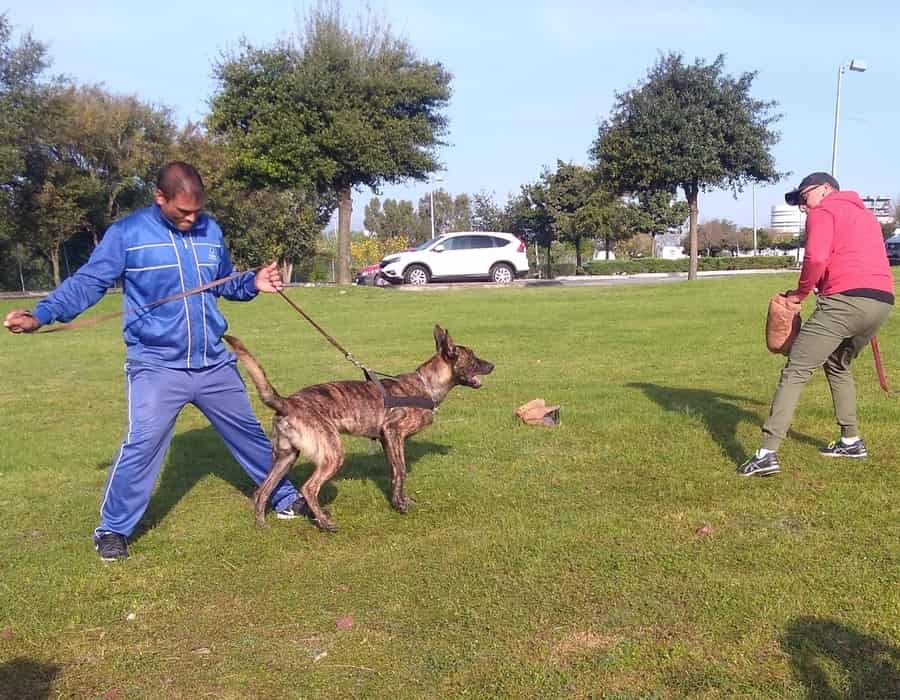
(845,250)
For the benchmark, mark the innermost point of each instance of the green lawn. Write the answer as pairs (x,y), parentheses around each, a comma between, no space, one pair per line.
(615,556)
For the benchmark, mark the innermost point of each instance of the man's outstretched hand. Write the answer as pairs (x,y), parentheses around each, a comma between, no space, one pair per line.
(21,321)
(268,279)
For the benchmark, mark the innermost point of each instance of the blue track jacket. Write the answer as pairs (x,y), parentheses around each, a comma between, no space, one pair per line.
(155,260)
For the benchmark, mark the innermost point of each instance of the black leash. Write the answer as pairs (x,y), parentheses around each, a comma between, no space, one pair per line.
(390,401)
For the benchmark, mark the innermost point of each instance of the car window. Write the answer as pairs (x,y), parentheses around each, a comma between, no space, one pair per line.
(458,243)
(499,242)
(482,241)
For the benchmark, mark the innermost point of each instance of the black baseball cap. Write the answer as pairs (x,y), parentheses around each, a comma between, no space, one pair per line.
(811,180)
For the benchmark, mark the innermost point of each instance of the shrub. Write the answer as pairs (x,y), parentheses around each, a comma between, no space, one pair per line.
(635,266)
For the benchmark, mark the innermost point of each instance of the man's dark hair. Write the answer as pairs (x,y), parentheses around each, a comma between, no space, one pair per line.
(178,176)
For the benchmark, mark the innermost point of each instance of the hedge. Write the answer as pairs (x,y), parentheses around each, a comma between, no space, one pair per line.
(633,266)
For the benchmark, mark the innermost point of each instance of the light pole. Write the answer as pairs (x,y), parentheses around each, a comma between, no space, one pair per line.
(855,65)
(433,181)
(755,251)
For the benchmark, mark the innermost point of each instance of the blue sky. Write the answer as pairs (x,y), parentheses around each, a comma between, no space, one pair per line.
(532,81)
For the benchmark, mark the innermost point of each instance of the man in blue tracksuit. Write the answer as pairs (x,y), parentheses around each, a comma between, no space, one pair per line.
(175,354)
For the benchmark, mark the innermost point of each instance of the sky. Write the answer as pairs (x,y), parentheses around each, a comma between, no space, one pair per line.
(533,81)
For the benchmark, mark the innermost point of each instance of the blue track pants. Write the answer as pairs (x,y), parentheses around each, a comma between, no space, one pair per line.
(155,397)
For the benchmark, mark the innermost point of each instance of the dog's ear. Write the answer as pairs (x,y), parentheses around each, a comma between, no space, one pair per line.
(444,343)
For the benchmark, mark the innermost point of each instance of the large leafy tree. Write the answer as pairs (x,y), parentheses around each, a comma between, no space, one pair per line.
(122,143)
(689,126)
(23,95)
(260,224)
(606,216)
(338,108)
(568,190)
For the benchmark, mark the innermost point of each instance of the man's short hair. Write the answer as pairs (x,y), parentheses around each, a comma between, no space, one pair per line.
(176,177)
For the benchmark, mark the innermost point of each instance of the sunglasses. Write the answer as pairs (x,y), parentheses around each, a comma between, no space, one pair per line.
(805,194)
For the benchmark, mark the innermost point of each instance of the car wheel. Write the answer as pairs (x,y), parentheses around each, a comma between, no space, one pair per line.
(416,274)
(501,273)
(380,281)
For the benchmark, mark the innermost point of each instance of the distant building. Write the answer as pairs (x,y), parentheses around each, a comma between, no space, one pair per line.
(880,206)
(668,245)
(786,219)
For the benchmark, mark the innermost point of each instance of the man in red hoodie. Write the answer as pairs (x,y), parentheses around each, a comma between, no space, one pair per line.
(846,266)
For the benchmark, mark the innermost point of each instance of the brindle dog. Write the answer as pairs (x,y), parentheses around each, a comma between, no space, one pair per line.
(309,422)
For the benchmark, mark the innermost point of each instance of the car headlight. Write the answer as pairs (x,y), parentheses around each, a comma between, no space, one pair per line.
(389,261)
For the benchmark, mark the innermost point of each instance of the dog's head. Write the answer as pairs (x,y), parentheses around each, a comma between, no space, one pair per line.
(467,367)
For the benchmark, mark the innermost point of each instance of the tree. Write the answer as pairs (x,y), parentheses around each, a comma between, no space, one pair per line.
(374,217)
(337,109)
(658,213)
(450,213)
(22,99)
(400,219)
(487,215)
(717,235)
(56,197)
(687,126)
(262,224)
(606,216)
(123,143)
(568,190)
(530,219)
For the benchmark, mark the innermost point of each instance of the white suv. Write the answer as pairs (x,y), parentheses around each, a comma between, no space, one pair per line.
(465,255)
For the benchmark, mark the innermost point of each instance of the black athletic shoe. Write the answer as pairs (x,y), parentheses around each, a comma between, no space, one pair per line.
(839,448)
(297,509)
(111,546)
(760,466)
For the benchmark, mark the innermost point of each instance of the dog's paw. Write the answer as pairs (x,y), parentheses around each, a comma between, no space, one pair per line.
(402,504)
(325,525)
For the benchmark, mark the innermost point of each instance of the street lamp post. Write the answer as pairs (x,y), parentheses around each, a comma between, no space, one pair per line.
(435,180)
(855,65)
(755,251)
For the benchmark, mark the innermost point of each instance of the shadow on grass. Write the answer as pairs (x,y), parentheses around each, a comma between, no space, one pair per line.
(823,651)
(719,412)
(26,679)
(199,453)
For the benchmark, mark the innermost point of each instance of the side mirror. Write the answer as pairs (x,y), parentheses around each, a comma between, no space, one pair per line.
(438,248)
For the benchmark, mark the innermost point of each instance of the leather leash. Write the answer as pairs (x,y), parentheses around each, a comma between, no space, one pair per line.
(370,375)
(172,297)
(879,367)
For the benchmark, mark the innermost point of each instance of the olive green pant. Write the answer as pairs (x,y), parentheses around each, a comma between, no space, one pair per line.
(831,338)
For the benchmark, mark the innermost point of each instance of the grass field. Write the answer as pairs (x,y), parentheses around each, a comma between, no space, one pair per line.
(615,556)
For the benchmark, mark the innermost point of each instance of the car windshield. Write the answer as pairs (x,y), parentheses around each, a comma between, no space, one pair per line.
(430,242)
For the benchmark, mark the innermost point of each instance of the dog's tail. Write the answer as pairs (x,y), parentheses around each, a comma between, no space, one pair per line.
(267,393)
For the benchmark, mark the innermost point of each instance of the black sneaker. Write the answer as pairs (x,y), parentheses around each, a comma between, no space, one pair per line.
(760,466)
(297,509)
(839,448)
(111,546)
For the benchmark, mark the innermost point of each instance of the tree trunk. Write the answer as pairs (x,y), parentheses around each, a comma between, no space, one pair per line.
(53,256)
(549,274)
(691,193)
(345,209)
(653,245)
(21,276)
(287,271)
(577,254)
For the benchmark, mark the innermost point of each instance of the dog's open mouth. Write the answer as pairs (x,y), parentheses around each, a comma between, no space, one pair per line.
(474,382)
